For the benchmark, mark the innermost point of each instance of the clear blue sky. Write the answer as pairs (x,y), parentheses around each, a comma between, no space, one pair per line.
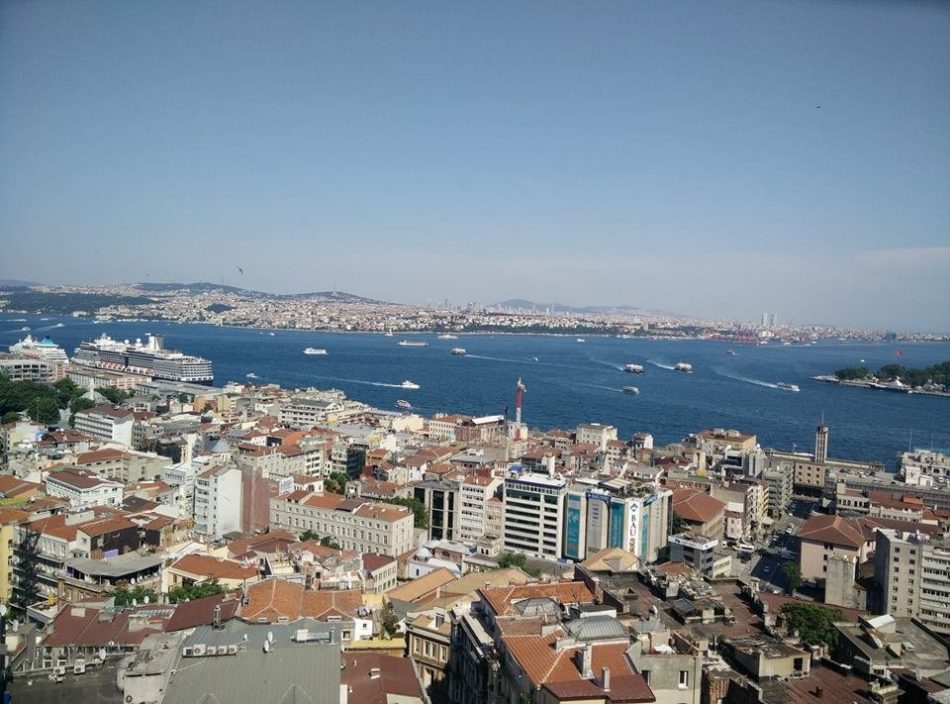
(666,155)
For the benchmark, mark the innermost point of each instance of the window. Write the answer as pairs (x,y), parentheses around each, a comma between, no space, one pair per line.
(684,679)
(646,676)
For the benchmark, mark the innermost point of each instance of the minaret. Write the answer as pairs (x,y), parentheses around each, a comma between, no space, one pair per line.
(519,399)
(821,442)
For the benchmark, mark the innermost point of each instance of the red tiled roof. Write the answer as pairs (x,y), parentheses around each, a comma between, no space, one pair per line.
(273,599)
(832,529)
(397,678)
(500,599)
(189,614)
(209,567)
(696,505)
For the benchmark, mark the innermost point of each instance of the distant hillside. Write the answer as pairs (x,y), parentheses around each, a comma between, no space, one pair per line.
(62,303)
(522,303)
(207,287)
(16,283)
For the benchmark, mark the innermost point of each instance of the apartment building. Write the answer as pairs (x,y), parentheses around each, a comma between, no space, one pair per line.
(913,571)
(25,369)
(305,412)
(83,488)
(218,497)
(701,512)
(474,493)
(534,514)
(355,524)
(107,423)
(824,536)
(442,500)
(596,434)
(126,466)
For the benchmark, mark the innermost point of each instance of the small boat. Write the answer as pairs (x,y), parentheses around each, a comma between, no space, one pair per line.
(731,353)
(388,333)
(534,359)
(581,339)
(59,325)
(404,404)
(314,350)
(413,343)
(409,385)
(633,368)
(787,387)
(684,367)
(271,334)
(448,336)
(24,329)
(251,375)
(459,351)
(631,390)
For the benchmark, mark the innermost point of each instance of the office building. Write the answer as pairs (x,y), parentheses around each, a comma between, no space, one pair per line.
(534,514)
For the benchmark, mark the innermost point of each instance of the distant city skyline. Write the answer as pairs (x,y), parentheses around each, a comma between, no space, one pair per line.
(713,161)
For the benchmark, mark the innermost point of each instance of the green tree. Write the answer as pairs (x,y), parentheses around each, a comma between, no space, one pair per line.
(183,397)
(814,622)
(793,577)
(114,395)
(677,524)
(336,482)
(852,373)
(199,590)
(390,623)
(328,542)
(309,534)
(44,410)
(512,559)
(9,417)
(419,512)
(67,391)
(124,596)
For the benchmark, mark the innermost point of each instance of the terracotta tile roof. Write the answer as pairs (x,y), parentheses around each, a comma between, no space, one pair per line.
(9,515)
(832,529)
(500,599)
(106,526)
(373,562)
(696,505)
(55,526)
(77,478)
(82,627)
(10,486)
(267,543)
(104,455)
(200,612)
(325,501)
(107,409)
(273,599)
(209,567)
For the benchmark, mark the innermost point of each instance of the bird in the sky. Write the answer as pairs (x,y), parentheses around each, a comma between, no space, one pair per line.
(241,270)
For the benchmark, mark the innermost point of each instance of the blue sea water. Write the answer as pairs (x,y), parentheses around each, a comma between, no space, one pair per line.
(571,382)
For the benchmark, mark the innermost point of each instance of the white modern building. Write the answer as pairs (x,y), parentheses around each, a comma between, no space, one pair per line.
(83,488)
(534,514)
(218,502)
(474,494)
(107,422)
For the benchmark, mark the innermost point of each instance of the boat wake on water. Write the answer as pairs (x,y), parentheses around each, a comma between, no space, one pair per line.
(661,365)
(746,379)
(618,367)
(600,386)
(362,381)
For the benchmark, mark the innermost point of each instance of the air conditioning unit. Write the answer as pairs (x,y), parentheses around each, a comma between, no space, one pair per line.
(79,668)
(59,670)
(232,650)
(211,650)
(198,650)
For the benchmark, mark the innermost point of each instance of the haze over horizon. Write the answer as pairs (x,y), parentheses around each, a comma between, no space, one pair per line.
(716,161)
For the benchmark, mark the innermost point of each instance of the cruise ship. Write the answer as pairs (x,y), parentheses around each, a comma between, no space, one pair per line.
(44,349)
(149,358)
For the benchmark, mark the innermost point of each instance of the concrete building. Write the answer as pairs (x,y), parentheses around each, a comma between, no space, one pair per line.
(913,572)
(825,536)
(671,666)
(700,512)
(442,500)
(83,488)
(821,443)
(108,423)
(307,412)
(355,524)
(475,491)
(534,514)
(596,434)
(699,552)
(25,369)
(218,495)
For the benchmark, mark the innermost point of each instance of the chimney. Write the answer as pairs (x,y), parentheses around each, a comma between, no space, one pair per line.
(605,678)
(819,692)
(584,656)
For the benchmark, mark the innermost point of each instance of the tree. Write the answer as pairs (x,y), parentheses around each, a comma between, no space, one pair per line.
(793,577)
(309,534)
(420,514)
(44,410)
(9,417)
(328,542)
(852,373)
(336,482)
(183,397)
(115,396)
(814,622)
(124,596)
(519,560)
(199,590)
(677,524)
(390,623)
(67,391)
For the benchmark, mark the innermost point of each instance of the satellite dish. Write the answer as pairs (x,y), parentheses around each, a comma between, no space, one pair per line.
(102,654)
(16,624)
(145,598)
(266,646)
(270,636)
(135,602)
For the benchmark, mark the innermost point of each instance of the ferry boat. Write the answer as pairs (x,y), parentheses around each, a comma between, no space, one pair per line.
(581,339)
(633,368)
(404,404)
(448,336)
(413,343)
(684,367)
(459,351)
(631,390)
(251,375)
(149,358)
(314,350)
(409,385)
(787,387)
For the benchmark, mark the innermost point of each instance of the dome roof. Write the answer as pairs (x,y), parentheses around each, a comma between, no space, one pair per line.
(597,628)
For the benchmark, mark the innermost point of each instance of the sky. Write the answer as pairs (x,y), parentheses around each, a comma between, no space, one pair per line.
(713,159)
